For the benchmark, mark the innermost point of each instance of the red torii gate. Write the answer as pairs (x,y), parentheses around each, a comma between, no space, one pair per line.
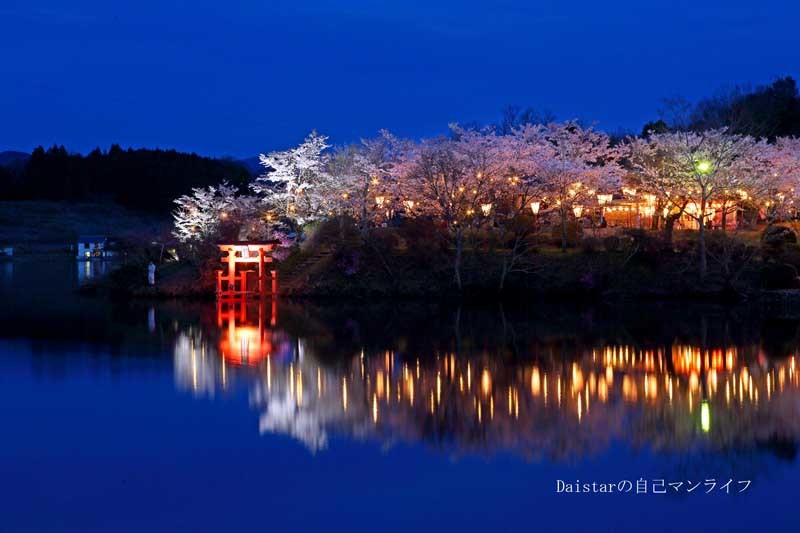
(234,283)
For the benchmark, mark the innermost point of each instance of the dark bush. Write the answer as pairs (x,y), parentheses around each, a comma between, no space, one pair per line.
(776,237)
(423,234)
(591,245)
(574,231)
(612,243)
(427,244)
(779,276)
(790,254)
(651,246)
(329,232)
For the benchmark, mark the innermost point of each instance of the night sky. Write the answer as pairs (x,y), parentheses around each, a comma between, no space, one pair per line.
(236,78)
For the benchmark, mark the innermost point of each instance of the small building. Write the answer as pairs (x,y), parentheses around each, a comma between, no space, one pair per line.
(93,247)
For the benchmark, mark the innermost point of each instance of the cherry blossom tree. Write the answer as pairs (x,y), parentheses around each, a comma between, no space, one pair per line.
(198,215)
(693,170)
(296,184)
(515,155)
(573,163)
(453,180)
(784,196)
(366,174)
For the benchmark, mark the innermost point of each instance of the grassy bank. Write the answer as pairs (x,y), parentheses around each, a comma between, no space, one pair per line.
(407,262)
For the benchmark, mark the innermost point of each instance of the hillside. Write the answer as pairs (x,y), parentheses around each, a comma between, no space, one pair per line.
(31,225)
(13,160)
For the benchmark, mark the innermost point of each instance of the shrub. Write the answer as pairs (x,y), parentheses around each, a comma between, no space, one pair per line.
(329,231)
(779,276)
(650,244)
(574,231)
(423,235)
(612,243)
(775,236)
(591,245)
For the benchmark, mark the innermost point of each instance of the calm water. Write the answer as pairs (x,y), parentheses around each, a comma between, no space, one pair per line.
(393,417)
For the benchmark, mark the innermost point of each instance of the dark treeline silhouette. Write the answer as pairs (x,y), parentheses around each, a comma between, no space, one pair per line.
(766,112)
(142,179)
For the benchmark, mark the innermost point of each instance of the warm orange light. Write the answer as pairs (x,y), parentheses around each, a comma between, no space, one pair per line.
(486,382)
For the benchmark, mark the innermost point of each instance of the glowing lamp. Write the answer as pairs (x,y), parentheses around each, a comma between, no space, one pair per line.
(409,204)
(603,199)
(379,200)
(577,210)
(703,167)
(535,207)
(705,416)
(486,209)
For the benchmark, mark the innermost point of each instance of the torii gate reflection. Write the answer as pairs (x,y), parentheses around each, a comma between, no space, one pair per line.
(246,336)
(246,340)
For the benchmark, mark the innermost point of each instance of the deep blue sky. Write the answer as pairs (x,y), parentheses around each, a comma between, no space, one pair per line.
(238,77)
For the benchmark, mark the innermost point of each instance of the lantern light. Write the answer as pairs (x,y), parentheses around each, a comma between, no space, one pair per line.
(535,207)
(603,199)
(379,200)
(577,210)
(486,209)
(409,204)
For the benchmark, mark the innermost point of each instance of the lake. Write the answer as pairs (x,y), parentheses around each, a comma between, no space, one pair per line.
(390,416)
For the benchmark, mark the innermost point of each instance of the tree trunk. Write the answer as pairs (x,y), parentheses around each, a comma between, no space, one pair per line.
(503,274)
(669,225)
(702,240)
(364,222)
(457,261)
(724,217)
(563,230)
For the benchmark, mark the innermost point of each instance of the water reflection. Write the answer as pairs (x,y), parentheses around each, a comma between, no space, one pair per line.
(89,270)
(471,393)
(7,270)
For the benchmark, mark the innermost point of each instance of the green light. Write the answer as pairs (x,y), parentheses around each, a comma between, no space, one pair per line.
(705,417)
(703,167)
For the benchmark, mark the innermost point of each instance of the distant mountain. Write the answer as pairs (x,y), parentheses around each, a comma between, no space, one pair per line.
(13,160)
